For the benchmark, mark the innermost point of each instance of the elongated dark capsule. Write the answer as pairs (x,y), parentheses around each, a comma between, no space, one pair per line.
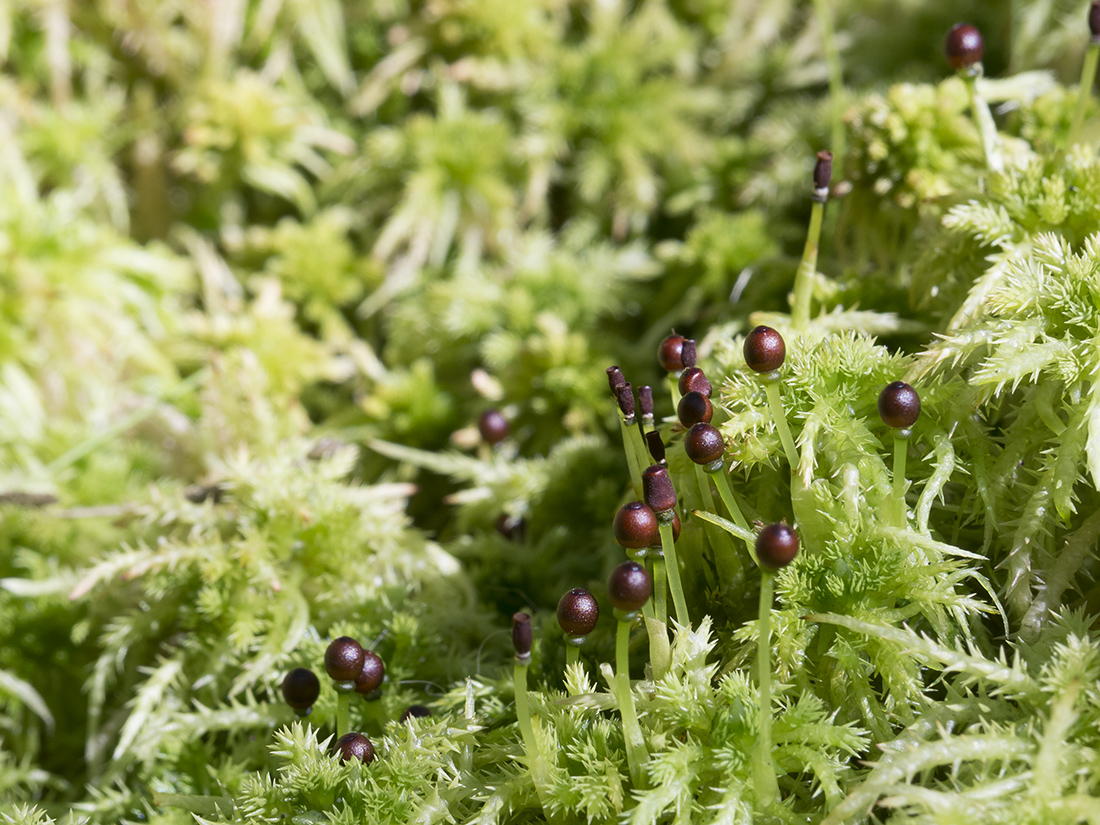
(657,489)
(521,635)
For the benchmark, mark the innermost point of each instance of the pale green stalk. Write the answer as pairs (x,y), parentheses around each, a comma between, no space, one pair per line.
(767,789)
(673,567)
(724,550)
(343,702)
(572,654)
(776,404)
(804,278)
(636,753)
(901,445)
(631,455)
(983,120)
(1088,76)
(660,589)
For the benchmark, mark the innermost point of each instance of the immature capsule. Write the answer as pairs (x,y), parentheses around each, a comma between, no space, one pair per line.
(655,446)
(629,587)
(636,526)
(578,612)
(694,379)
(963,46)
(645,402)
(704,444)
(694,408)
(776,546)
(626,400)
(899,405)
(1094,20)
(301,687)
(521,635)
(657,489)
(823,170)
(670,353)
(344,659)
(415,712)
(764,350)
(493,426)
(355,746)
(688,353)
(615,380)
(373,672)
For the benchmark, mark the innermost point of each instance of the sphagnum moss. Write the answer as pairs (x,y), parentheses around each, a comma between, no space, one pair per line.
(368,228)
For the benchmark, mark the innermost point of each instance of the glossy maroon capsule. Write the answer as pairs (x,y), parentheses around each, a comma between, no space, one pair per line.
(578,612)
(493,426)
(694,408)
(675,531)
(704,444)
(776,546)
(415,712)
(373,672)
(1094,20)
(765,350)
(963,46)
(522,636)
(301,687)
(636,526)
(670,353)
(657,489)
(629,587)
(344,659)
(823,170)
(355,746)
(694,379)
(899,405)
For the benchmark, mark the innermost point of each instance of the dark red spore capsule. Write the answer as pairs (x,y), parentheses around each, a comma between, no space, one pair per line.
(704,444)
(963,46)
(615,380)
(655,446)
(645,401)
(355,746)
(670,353)
(636,526)
(823,170)
(899,405)
(694,379)
(578,612)
(301,687)
(373,672)
(687,353)
(765,350)
(694,408)
(626,400)
(776,546)
(521,634)
(629,586)
(493,426)
(344,659)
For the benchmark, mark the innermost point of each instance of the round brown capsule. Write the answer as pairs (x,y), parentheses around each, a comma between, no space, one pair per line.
(670,353)
(963,46)
(373,672)
(704,444)
(694,379)
(343,659)
(521,634)
(301,687)
(657,489)
(694,408)
(636,526)
(764,350)
(578,612)
(776,546)
(629,586)
(415,712)
(354,746)
(493,426)
(675,531)
(899,405)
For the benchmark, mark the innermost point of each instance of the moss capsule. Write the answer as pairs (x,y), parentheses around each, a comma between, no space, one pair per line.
(776,546)
(343,659)
(899,405)
(963,46)
(636,526)
(629,587)
(373,672)
(694,408)
(578,612)
(765,350)
(522,636)
(670,353)
(694,379)
(493,426)
(301,687)
(657,489)
(704,444)
(355,746)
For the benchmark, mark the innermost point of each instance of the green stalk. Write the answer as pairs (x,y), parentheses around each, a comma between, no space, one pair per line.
(767,789)
(523,709)
(636,753)
(983,120)
(901,445)
(836,77)
(669,547)
(776,404)
(726,493)
(724,550)
(1088,76)
(804,278)
(631,456)
(572,654)
(660,588)
(343,703)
